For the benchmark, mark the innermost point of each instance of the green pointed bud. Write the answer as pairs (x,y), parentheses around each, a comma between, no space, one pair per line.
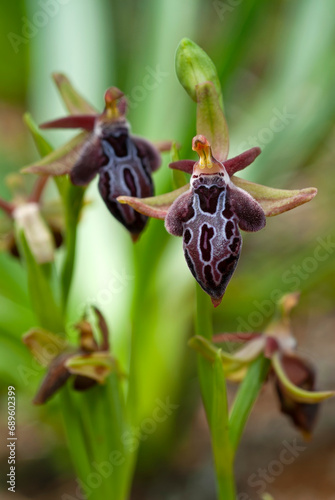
(194,67)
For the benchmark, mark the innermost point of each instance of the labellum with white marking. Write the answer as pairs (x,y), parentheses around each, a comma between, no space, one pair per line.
(123,162)
(209,217)
(210,211)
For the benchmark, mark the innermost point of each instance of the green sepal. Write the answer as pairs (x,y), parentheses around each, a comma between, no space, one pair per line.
(74,102)
(61,160)
(295,392)
(97,366)
(42,145)
(155,206)
(44,345)
(275,201)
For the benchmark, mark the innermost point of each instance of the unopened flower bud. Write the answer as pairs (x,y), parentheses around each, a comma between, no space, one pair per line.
(193,67)
(28,219)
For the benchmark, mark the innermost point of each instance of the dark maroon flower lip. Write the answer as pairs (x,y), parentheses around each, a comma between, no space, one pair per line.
(123,162)
(212,253)
(209,217)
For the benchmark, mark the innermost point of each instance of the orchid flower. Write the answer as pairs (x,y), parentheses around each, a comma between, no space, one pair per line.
(210,211)
(124,162)
(293,376)
(89,364)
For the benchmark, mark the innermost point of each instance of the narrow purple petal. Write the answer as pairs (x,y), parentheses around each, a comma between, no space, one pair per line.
(103,329)
(55,378)
(235,337)
(183,165)
(85,122)
(241,161)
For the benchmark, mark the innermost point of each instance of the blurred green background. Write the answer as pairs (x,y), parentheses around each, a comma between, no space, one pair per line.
(277,69)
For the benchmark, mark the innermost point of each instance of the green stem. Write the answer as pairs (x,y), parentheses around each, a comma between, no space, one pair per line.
(75,436)
(116,407)
(214,395)
(134,386)
(204,323)
(223,453)
(73,200)
(246,397)
(146,257)
(140,398)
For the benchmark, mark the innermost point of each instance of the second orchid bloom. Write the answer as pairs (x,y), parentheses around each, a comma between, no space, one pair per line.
(106,148)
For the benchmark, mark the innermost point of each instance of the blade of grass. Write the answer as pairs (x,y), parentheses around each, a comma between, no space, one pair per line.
(214,395)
